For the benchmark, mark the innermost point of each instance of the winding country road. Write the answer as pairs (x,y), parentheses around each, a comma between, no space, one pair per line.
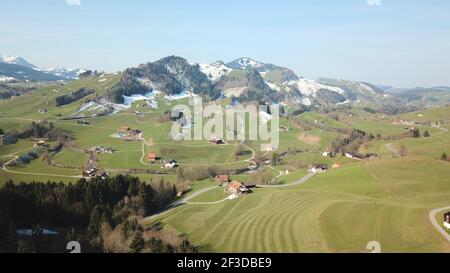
(185,201)
(38,174)
(435,223)
(302,180)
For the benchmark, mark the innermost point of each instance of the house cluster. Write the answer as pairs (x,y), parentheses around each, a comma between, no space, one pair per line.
(168,164)
(319,168)
(359,156)
(233,186)
(101,150)
(403,122)
(447,220)
(83,122)
(128,134)
(95,172)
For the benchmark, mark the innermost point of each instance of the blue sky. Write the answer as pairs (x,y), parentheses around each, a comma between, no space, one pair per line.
(403,43)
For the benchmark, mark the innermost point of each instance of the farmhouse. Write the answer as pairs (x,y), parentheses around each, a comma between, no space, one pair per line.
(222,179)
(447,220)
(101,150)
(152,157)
(372,156)
(83,122)
(171,164)
(90,172)
(40,142)
(128,134)
(236,187)
(328,154)
(319,168)
(354,156)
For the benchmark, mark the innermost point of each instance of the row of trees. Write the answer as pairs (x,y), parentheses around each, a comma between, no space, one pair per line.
(7,92)
(41,129)
(74,96)
(98,208)
(351,143)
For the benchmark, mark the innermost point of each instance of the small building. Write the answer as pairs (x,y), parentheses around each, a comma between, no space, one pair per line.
(103,175)
(355,156)
(90,172)
(40,143)
(83,122)
(222,179)
(319,168)
(328,154)
(124,129)
(236,187)
(336,166)
(447,220)
(101,150)
(152,157)
(171,164)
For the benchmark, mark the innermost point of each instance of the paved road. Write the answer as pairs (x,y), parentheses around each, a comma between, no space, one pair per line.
(302,180)
(200,192)
(39,174)
(435,223)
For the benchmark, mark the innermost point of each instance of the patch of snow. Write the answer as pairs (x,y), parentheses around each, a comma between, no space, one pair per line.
(306,101)
(129,100)
(180,96)
(236,92)
(215,71)
(246,62)
(273,86)
(311,87)
(4,78)
(342,103)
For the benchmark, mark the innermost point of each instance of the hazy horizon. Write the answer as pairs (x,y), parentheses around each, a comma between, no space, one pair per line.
(396,43)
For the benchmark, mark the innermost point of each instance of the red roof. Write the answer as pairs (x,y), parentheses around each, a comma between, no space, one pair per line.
(235,185)
(223,178)
(151,156)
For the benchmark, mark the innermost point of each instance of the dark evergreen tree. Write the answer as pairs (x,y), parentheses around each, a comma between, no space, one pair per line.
(138,242)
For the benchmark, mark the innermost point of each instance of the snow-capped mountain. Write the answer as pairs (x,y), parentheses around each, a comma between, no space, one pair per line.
(64,72)
(59,71)
(244,63)
(16,60)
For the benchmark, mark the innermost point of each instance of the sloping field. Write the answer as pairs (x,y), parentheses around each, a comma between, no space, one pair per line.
(339,211)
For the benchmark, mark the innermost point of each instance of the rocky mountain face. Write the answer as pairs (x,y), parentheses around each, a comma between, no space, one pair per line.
(246,80)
